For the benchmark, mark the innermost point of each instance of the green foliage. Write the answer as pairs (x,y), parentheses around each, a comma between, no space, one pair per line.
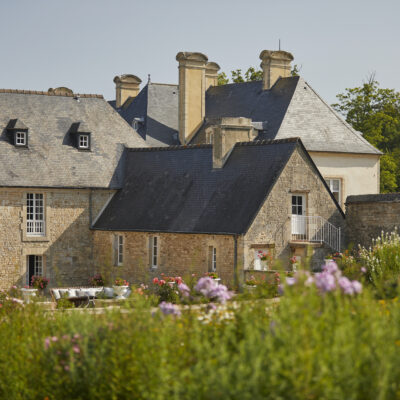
(382,262)
(375,112)
(222,79)
(307,347)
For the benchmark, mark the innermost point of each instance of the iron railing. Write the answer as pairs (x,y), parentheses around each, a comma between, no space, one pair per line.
(315,229)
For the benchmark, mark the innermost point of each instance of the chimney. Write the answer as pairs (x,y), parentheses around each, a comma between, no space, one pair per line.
(225,133)
(192,89)
(212,69)
(126,86)
(275,64)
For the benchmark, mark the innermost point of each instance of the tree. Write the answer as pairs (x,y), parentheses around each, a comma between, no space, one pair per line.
(375,112)
(252,74)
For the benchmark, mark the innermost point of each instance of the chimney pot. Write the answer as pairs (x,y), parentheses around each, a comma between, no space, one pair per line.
(126,86)
(275,65)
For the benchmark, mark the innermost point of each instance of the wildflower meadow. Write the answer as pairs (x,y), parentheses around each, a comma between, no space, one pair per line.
(332,335)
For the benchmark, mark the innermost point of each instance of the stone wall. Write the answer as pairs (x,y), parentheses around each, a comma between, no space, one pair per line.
(179,255)
(67,246)
(273,223)
(368,215)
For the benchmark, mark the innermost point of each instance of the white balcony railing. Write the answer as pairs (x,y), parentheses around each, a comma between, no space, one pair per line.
(35,228)
(315,229)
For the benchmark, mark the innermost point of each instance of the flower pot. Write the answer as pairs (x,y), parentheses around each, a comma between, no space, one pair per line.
(217,280)
(250,288)
(119,291)
(27,294)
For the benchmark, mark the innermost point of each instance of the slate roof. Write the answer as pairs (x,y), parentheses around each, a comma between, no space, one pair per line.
(158,104)
(52,160)
(176,189)
(291,108)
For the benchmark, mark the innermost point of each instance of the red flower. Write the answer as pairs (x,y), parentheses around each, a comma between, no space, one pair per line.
(162,282)
(155,281)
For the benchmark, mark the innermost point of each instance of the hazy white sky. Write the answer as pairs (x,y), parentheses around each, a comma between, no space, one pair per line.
(83,44)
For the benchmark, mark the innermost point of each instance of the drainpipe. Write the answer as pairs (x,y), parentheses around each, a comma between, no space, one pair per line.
(235,260)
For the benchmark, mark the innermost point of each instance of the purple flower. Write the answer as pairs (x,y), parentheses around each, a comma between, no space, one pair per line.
(280,290)
(290,281)
(325,281)
(357,287)
(169,309)
(205,285)
(184,289)
(76,349)
(363,270)
(221,293)
(331,267)
(346,285)
(46,343)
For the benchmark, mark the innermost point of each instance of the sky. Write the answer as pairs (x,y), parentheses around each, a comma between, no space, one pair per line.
(83,44)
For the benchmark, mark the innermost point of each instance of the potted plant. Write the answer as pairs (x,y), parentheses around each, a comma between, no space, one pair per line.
(28,292)
(214,276)
(39,282)
(120,286)
(251,284)
(96,280)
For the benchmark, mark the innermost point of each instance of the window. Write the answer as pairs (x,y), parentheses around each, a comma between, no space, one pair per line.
(83,141)
(262,257)
(35,225)
(298,205)
(118,250)
(20,138)
(154,252)
(335,187)
(212,256)
(35,267)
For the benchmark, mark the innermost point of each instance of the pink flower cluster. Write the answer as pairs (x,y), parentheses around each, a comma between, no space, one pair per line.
(67,349)
(210,289)
(328,280)
(167,279)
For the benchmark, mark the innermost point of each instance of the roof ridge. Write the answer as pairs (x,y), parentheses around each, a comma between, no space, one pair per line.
(164,84)
(46,93)
(269,141)
(209,146)
(166,148)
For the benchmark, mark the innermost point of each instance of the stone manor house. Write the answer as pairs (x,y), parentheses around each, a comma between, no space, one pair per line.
(183,178)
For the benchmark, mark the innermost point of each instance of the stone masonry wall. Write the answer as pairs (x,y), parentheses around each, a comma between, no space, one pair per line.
(179,255)
(368,215)
(273,223)
(67,245)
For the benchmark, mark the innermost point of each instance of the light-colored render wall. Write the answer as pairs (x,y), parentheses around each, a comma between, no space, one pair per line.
(359,172)
(67,245)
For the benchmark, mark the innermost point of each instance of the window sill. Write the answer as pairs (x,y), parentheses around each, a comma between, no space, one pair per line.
(27,238)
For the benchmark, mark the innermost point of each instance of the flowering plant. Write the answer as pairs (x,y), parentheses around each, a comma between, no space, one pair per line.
(96,280)
(293,260)
(39,282)
(212,275)
(121,282)
(252,281)
(264,255)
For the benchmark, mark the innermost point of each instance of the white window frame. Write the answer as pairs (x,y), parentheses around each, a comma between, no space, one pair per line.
(118,249)
(35,214)
(154,251)
(214,259)
(84,141)
(20,138)
(330,183)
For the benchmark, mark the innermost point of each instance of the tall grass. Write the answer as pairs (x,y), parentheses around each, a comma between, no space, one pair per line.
(310,346)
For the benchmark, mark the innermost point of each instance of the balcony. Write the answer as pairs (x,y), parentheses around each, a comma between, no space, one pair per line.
(35,228)
(315,229)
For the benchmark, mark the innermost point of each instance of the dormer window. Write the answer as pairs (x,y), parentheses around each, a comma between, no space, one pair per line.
(17,133)
(84,142)
(81,135)
(20,138)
